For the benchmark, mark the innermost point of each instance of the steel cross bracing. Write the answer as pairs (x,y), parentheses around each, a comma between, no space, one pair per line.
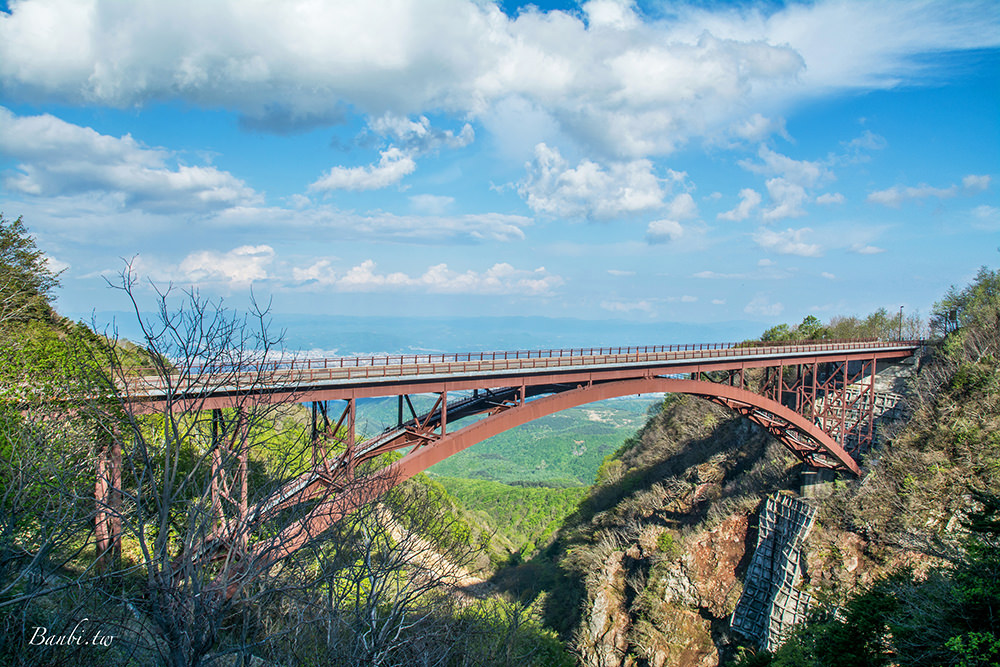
(816,398)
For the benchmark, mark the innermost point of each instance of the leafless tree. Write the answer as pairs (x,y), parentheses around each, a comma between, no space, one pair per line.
(194,470)
(383,593)
(204,467)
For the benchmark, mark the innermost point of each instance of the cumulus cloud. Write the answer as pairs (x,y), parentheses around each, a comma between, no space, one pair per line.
(663,231)
(238,267)
(859,149)
(55,266)
(787,199)
(631,86)
(375,226)
(896,195)
(393,165)
(419,136)
(788,242)
(800,172)
(501,278)
(973,182)
(789,183)
(758,128)
(761,305)
(713,275)
(589,190)
(866,249)
(56,158)
(986,217)
(830,198)
(433,204)
(749,200)
(682,207)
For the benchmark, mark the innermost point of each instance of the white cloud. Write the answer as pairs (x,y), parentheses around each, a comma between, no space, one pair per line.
(501,278)
(432,204)
(718,302)
(787,198)
(682,207)
(614,14)
(712,275)
(866,249)
(749,200)
(788,242)
(418,136)
(859,149)
(830,198)
(974,182)
(620,272)
(828,275)
(789,183)
(238,267)
(376,226)
(986,217)
(663,231)
(613,79)
(897,194)
(761,305)
(392,166)
(55,265)
(590,190)
(800,172)
(765,262)
(758,128)
(56,158)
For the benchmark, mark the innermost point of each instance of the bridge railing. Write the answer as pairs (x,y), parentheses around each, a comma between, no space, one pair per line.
(308,363)
(350,368)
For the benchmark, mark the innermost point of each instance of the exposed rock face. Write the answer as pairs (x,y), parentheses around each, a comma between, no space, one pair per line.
(663,563)
(608,621)
(665,609)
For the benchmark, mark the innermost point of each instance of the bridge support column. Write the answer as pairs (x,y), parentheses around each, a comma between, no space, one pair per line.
(816,482)
(108,499)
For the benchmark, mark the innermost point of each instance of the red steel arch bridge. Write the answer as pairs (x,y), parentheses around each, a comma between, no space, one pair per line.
(816,397)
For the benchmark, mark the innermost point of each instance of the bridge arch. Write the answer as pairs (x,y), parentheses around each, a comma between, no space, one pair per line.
(804,438)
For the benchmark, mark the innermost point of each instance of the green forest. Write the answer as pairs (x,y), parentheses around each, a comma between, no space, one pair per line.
(597,536)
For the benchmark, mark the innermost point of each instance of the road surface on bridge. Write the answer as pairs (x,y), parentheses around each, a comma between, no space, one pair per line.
(365,377)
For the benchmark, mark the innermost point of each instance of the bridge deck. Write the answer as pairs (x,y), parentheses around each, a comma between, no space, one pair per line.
(362,377)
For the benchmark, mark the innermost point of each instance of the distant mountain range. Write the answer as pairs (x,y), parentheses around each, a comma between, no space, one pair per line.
(335,335)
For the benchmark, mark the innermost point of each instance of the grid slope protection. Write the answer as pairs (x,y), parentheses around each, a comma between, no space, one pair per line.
(771,603)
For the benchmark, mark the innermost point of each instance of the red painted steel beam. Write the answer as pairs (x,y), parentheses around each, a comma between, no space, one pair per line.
(332,509)
(468,379)
(444,447)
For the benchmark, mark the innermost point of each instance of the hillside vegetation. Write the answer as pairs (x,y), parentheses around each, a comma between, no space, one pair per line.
(924,520)
(389,584)
(654,557)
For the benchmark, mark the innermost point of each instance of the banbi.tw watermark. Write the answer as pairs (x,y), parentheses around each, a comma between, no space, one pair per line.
(79,636)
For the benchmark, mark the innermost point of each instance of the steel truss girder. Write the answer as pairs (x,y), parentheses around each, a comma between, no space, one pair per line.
(806,440)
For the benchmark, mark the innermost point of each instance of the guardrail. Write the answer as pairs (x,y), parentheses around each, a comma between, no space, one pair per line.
(308,371)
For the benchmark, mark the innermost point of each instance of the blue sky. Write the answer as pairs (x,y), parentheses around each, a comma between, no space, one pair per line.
(644,162)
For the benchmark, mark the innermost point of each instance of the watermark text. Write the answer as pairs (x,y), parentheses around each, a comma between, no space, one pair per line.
(79,636)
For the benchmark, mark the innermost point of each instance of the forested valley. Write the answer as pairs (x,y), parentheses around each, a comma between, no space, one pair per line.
(636,556)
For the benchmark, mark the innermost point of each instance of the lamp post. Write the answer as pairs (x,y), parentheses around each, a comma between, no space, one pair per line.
(900,334)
